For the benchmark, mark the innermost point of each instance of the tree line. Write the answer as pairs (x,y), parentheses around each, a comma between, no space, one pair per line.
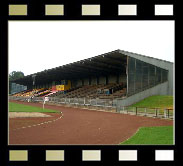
(15,75)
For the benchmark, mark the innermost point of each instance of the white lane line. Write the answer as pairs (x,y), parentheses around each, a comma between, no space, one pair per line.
(50,121)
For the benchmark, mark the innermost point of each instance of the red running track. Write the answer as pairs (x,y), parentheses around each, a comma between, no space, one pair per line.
(81,126)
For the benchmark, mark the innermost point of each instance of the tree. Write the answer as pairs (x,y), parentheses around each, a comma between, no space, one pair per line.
(15,75)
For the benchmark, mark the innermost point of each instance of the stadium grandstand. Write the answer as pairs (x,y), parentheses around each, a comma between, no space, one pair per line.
(118,75)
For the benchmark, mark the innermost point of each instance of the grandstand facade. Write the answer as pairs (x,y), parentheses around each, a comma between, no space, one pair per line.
(117,75)
(16,88)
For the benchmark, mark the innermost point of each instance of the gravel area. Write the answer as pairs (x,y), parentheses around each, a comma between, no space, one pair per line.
(27,115)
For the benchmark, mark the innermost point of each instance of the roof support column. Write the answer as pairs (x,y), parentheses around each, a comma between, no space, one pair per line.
(97,80)
(53,83)
(148,75)
(117,80)
(135,78)
(71,84)
(127,75)
(107,80)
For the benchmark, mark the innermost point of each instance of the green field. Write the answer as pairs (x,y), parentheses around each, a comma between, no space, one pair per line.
(14,107)
(156,102)
(160,102)
(152,136)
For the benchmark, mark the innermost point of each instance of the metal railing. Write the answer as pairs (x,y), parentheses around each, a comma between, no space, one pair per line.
(87,102)
(103,104)
(145,111)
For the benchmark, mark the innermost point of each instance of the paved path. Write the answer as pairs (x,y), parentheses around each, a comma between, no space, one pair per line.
(81,126)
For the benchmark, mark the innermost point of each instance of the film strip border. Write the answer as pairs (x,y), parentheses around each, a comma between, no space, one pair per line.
(25,10)
(94,10)
(90,10)
(47,156)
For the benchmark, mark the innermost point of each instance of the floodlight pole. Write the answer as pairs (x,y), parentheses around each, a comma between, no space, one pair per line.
(44,102)
(33,78)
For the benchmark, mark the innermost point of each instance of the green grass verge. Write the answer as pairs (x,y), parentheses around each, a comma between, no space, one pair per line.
(156,101)
(14,107)
(152,136)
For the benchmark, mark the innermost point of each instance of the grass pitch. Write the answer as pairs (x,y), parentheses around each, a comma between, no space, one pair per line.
(156,102)
(152,136)
(160,102)
(14,107)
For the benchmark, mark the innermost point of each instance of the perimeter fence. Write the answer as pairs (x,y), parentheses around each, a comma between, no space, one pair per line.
(103,104)
(145,111)
(77,102)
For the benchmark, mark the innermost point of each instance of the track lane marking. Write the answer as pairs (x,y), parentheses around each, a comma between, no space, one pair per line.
(50,121)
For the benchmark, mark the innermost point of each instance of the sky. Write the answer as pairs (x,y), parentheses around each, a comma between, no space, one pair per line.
(38,45)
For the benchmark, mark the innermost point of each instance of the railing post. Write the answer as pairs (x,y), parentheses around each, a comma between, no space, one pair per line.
(168,112)
(84,101)
(156,112)
(145,111)
(165,113)
(136,110)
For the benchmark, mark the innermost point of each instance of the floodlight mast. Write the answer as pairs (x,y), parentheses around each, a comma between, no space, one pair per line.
(33,78)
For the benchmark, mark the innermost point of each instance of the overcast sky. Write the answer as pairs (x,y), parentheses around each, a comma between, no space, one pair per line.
(38,45)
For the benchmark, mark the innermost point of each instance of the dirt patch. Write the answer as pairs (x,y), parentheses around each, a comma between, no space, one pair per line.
(27,115)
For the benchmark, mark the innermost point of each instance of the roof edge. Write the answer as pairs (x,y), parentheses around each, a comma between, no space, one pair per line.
(127,53)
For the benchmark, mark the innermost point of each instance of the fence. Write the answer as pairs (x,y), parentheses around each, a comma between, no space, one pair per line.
(26,98)
(144,111)
(103,104)
(87,102)
(15,88)
(142,76)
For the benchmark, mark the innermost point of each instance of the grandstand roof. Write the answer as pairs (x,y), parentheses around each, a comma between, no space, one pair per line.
(109,63)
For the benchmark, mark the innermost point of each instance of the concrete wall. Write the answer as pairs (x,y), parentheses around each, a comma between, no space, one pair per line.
(74,83)
(112,79)
(102,80)
(157,62)
(53,83)
(160,89)
(86,81)
(50,85)
(93,81)
(79,83)
(122,78)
